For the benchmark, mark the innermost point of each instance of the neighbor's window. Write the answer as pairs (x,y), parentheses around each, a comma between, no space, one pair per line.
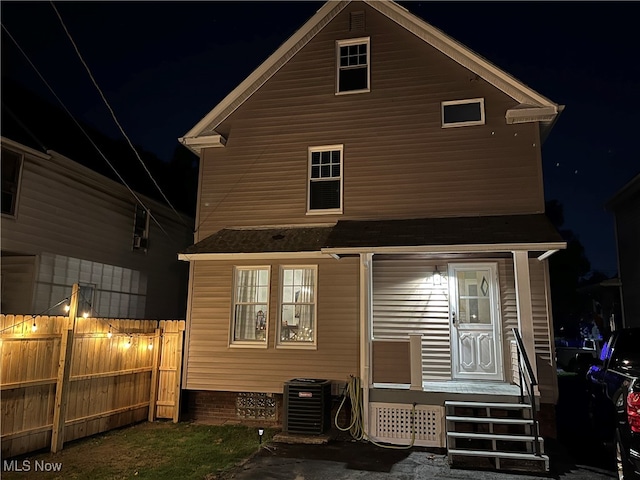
(250,306)
(11,165)
(298,306)
(141,229)
(460,113)
(325,179)
(353,65)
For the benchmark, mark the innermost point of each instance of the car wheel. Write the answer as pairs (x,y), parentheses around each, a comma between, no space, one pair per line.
(623,467)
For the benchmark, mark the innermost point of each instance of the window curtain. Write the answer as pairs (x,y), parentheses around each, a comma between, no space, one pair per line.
(250,300)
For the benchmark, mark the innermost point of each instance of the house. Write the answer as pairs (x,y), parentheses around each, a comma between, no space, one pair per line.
(371,205)
(63,223)
(625,206)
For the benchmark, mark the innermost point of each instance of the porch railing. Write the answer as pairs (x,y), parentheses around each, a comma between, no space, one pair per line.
(527,386)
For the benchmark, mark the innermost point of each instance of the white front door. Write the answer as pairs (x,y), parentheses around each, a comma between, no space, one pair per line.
(474,315)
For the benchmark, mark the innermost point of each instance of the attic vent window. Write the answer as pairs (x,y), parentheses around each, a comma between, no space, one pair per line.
(460,113)
(352,75)
(356,21)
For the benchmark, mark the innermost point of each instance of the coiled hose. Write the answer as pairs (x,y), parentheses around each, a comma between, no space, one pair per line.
(353,391)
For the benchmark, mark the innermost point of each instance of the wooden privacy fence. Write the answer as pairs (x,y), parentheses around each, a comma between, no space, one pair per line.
(61,381)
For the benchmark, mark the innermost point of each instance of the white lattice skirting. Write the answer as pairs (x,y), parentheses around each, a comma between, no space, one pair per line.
(392,423)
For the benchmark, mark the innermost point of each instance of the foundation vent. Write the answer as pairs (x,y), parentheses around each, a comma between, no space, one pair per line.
(393,423)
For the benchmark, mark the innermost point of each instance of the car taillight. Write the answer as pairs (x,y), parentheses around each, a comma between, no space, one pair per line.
(633,411)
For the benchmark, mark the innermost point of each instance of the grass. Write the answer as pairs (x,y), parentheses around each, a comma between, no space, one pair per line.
(149,451)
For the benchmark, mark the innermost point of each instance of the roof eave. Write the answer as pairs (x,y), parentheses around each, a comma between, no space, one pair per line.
(461,248)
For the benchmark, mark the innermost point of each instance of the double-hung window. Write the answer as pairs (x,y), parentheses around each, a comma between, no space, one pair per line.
(298,306)
(325,179)
(250,306)
(353,62)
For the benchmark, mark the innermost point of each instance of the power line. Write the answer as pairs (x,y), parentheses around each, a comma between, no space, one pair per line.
(113,115)
(86,134)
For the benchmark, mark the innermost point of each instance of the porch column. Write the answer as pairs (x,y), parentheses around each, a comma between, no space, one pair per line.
(523,304)
(366,320)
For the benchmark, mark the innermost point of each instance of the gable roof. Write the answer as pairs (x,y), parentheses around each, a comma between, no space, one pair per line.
(533,106)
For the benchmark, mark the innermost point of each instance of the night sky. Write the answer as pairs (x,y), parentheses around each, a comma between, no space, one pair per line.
(164,65)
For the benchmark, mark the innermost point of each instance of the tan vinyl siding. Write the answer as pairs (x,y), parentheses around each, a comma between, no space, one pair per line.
(404,303)
(213,365)
(398,161)
(541,323)
(391,362)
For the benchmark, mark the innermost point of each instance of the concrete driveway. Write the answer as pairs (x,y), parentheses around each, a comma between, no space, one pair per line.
(349,460)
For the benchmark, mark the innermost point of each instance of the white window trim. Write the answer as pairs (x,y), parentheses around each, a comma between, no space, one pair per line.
(298,345)
(347,42)
(247,343)
(14,215)
(463,102)
(332,211)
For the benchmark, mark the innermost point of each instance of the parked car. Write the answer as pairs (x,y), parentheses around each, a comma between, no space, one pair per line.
(577,357)
(614,383)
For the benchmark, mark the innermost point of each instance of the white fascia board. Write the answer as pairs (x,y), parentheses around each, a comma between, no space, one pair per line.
(196,144)
(255,80)
(192,257)
(23,148)
(475,248)
(547,254)
(533,114)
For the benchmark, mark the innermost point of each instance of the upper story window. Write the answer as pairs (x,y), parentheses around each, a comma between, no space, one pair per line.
(353,65)
(11,167)
(141,229)
(250,306)
(298,306)
(325,179)
(461,113)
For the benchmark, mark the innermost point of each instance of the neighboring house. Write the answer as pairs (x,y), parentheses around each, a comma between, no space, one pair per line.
(625,206)
(63,223)
(371,205)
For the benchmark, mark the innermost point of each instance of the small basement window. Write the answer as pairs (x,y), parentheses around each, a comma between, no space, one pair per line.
(461,113)
(352,65)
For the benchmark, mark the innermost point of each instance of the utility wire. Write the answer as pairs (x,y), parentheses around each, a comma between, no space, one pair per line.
(24,127)
(32,317)
(86,134)
(113,115)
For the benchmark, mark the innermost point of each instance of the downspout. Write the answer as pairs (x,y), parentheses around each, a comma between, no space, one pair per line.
(366,309)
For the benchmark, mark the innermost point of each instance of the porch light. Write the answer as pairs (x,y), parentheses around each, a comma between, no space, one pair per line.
(437,278)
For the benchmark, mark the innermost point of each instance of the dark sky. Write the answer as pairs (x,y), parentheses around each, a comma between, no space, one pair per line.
(164,65)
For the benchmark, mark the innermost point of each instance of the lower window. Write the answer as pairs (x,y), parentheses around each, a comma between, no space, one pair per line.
(251,305)
(298,306)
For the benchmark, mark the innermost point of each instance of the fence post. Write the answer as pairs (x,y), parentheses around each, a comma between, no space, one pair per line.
(176,405)
(64,373)
(153,396)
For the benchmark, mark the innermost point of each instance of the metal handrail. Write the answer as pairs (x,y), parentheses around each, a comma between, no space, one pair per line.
(523,358)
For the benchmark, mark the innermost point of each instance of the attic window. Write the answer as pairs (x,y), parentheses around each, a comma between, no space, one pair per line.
(460,113)
(352,60)
(141,230)
(356,21)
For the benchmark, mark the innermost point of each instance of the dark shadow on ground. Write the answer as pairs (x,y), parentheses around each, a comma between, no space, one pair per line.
(578,443)
(355,455)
